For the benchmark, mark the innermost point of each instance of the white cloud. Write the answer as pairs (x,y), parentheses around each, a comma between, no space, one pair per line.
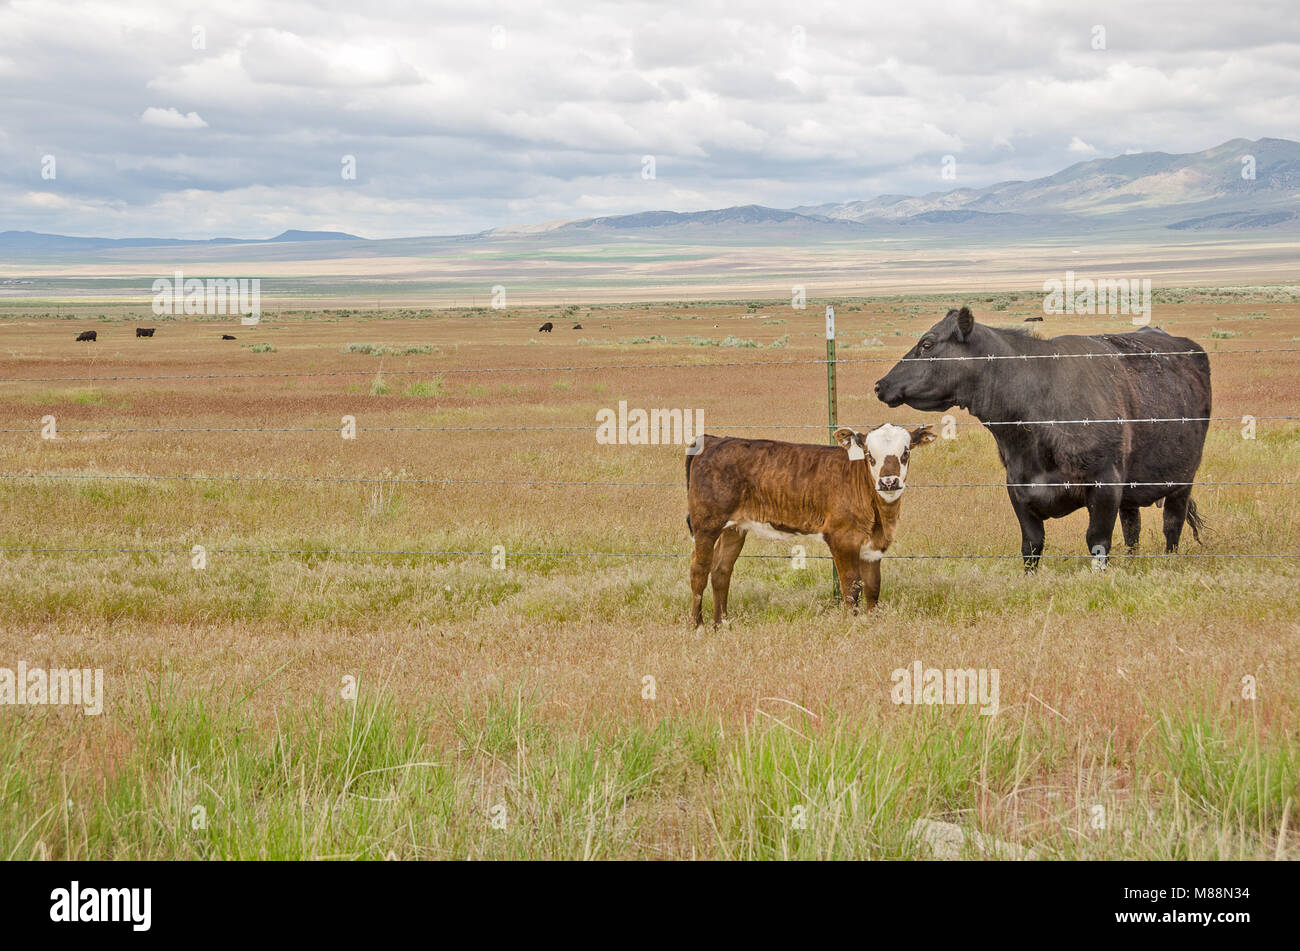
(170,118)
(454,134)
(277,56)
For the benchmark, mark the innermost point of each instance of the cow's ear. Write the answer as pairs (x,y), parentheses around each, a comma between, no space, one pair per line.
(965,322)
(922,435)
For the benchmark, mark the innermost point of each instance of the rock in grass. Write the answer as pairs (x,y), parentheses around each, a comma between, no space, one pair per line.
(947,842)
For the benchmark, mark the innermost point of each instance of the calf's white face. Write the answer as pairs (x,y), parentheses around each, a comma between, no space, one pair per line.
(889,449)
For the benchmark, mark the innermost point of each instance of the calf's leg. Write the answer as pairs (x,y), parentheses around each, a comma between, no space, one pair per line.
(870,583)
(701,561)
(725,552)
(848,564)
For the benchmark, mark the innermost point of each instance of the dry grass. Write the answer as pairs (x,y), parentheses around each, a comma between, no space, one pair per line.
(525,686)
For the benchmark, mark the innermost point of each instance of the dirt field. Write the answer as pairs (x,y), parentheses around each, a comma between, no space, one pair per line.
(507,712)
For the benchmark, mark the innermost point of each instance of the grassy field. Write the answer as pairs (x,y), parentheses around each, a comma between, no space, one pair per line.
(562,706)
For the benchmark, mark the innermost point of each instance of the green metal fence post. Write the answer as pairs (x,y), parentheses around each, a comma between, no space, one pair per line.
(830,408)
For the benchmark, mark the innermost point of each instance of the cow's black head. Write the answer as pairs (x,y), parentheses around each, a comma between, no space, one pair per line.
(924,380)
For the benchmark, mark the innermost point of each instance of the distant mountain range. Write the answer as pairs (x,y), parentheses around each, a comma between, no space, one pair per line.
(1199,191)
(1144,183)
(34,240)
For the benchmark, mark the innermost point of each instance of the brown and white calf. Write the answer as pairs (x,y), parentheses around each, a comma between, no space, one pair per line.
(848,496)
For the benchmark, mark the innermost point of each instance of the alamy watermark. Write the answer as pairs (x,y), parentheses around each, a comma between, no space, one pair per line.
(230,295)
(653,427)
(35,686)
(1122,295)
(931,685)
(77,904)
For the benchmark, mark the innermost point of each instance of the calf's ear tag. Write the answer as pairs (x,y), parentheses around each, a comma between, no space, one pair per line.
(856,453)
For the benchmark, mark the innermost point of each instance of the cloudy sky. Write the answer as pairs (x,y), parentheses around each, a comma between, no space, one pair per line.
(136,118)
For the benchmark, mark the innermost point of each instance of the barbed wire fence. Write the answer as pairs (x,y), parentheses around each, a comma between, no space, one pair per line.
(521,369)
(325,553)
(681,365)
(526,429)
(402,480)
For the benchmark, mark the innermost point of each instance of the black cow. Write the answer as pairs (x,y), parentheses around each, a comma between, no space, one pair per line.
(546,327)
(90,335)
(577,326)
(227,336)
(145,331)
(1059,385)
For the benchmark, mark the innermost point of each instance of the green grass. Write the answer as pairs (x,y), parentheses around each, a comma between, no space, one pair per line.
(384,350)
(636,341)
(425,388)
(185,776)
(728,341)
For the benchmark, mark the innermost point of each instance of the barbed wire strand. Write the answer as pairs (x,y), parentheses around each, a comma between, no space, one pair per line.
(587,554)
(576,368)
(594,427)
(401,480)
(367,480)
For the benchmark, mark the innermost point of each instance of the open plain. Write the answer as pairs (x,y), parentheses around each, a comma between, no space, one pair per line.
(350,676)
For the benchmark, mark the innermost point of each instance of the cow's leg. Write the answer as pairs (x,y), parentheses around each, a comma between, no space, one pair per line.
(1176,516)
(848,563)
(1103,508)
(870,583)
(1130,521)
(725,553)
(1031,535)
(701,562)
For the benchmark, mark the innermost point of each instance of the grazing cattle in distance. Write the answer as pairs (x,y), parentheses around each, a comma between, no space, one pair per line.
(546,327)
(227,336)
(145,331)
(1113,468)
(848,495)
(1030,320)
(90,335)
(577,326)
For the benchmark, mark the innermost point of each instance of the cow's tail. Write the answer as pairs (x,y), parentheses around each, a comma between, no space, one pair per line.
(1194,519)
